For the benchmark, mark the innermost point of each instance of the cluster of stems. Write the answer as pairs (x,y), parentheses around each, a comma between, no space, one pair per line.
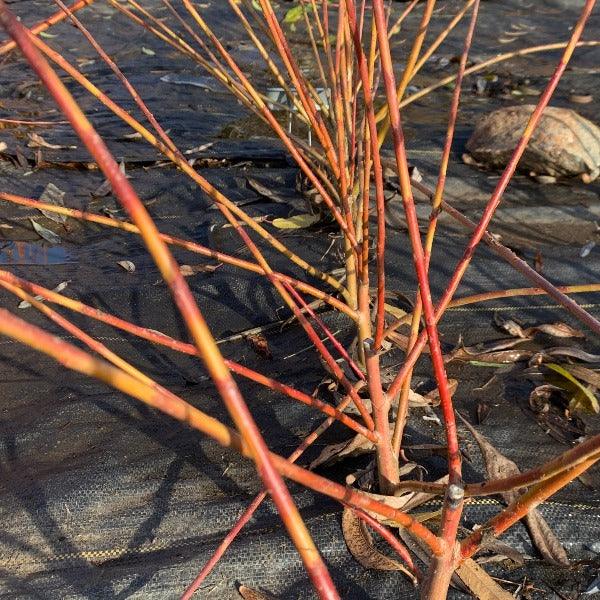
(351,102)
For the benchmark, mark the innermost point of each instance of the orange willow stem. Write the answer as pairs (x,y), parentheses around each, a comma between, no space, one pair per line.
(558,293)
(521,507)
(437,199)
(514,292)
(567,460)
(204,185)
(492,61)
(185,244)
(167,140)
(78,360)
(495,199)
(57,17)
(124,81)
(410,64)
(268,115)
(298,80)
(186,304)
(162,339)
(253,506)
(386,461)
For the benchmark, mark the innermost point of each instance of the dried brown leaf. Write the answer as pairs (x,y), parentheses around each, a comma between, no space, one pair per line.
(360,543)
(189,270)
(434,395)
(510,326)
(481,585)
(558,329)
(251,594)
(333,453)
(499,467)
(45,233)
(263,190)
(37,141)
(260,345)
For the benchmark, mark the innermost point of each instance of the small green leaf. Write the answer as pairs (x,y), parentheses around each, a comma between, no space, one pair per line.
(582,397)
(296,222)
(293,15)
(147,51)
(45,34)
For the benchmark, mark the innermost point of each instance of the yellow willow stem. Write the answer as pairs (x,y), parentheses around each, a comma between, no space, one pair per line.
(408,73)
(184,301)
(77,360)
(206,187)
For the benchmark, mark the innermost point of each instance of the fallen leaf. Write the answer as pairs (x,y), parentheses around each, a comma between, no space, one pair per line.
(498,466)
(37,141)
(251,594)
(136,135)
(580,396)
(59,288)
(127,265)
(558,329)
(46,234)
(189,270)
(293,15)
(264,191)
(586,249)
(103,189)
(510,326)
(200,148)
(577,353)
(333,453)
(360,544)
(296,222)
(53,195)
(483,410)
(481,585)
(260,345)
(434,396)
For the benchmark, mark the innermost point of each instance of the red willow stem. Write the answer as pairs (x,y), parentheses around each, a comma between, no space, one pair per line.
(336,370)
(390,538)
(185,348)
(268,115)
(299,82)
(436,200)
(497,197)
(521,507)
(73,358)
(452,508)
(253,506)
(186,304)
(336,344)
(57,17)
